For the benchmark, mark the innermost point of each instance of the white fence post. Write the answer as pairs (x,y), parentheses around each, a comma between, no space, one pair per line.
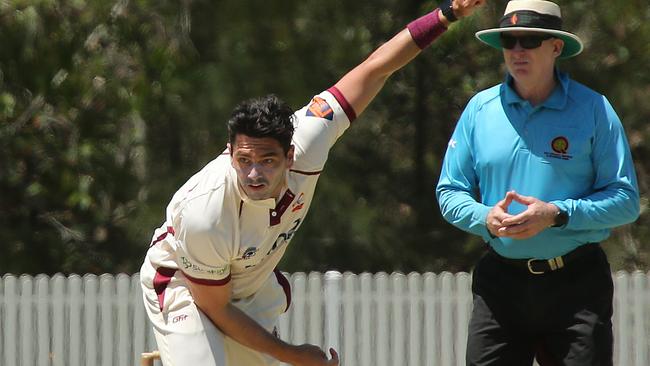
(333,281)
(463,310)
(75,331)
(298,319)
(58,285)
(640,310)
(398,334)
(383,320)
(42,320)
(431,321)
(447,318)
(315,302)
(415,317)
(91,286)
(140,323)
(123,287)
(350,335)
(27,354)
(10,320)
(623,344)
(365,325)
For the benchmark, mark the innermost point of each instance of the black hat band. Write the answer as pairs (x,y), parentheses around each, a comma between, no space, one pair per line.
(530,19)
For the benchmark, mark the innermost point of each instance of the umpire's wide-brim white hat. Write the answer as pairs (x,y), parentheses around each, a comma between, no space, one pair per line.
(533,16)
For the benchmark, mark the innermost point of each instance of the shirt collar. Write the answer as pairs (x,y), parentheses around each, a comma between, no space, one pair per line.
(557,99)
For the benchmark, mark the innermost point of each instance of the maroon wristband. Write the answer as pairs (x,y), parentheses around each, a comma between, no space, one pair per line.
(426,29)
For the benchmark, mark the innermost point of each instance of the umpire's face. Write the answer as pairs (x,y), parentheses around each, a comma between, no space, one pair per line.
(261,165)
(531,58)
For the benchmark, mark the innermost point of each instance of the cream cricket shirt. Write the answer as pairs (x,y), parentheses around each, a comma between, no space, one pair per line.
(214,233)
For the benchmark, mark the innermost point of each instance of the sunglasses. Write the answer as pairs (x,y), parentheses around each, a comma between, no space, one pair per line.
(528,42)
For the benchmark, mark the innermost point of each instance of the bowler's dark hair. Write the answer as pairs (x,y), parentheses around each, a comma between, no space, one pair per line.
(262,117)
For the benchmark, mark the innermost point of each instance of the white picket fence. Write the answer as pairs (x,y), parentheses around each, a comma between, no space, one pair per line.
(372,319)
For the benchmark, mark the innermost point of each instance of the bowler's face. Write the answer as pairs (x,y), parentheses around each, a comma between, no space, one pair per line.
(261,165)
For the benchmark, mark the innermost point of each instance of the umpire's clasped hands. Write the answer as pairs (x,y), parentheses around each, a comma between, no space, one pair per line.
(538,216)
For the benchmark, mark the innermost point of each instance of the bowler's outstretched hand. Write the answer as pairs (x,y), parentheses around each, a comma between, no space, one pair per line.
(310,355)
(463,8)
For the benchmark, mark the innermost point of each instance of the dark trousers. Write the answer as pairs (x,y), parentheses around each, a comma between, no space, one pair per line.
(565,313)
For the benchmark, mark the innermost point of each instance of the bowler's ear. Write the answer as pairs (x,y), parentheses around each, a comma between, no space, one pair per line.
(229,148)
(290,156)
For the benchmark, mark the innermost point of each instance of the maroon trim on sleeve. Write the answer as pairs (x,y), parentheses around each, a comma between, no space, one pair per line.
(286,286)
(305,173)
(161,237)
(347,108)
(426,29)
(160,281)
(202,281)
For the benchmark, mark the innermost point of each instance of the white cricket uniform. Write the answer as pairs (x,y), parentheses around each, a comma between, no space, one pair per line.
(215,234)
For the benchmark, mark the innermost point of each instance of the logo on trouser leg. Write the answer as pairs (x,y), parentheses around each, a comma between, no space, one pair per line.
(276,332)
(179,318)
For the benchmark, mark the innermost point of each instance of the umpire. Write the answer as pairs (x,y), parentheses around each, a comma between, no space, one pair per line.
(540,168)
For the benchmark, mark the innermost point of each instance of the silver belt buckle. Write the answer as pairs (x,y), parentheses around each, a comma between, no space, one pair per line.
(530,267)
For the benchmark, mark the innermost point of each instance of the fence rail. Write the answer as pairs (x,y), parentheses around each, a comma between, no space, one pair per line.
(372,319)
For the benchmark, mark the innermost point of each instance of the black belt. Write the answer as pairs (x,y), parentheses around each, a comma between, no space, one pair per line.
(541,266)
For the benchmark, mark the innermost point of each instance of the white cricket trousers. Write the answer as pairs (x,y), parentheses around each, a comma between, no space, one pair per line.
(187,337)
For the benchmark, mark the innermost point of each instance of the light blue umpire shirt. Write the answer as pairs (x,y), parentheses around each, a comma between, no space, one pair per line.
(570,150)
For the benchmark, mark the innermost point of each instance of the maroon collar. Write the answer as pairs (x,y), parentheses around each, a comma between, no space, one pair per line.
(276,214)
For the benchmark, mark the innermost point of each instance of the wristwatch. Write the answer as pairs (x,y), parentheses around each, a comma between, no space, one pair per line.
(448,11)
(561,219)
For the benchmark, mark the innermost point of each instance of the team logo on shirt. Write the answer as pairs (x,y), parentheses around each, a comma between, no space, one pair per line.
(300,202)
(320,108)
(560,147)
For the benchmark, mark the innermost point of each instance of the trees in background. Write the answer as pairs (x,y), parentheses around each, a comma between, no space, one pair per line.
(107,107)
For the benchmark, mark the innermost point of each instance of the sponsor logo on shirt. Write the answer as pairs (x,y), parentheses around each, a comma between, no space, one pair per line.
(320,108)
(452,143)
(189,266)
(284,238)
(300,202)
(560,147)
(179,318)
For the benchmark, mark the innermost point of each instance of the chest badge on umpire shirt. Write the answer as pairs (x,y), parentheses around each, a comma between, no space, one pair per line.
(560,147)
